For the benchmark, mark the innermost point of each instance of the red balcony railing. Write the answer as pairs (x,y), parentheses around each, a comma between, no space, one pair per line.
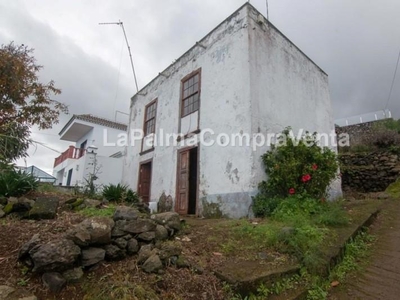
(71,152)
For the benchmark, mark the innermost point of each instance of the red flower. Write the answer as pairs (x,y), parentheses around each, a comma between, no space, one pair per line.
(292,191)
(306,178)
(314,167)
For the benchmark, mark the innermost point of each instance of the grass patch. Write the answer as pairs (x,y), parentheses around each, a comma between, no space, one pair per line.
(98,212)
(394,189)
(298,228)
(356,251)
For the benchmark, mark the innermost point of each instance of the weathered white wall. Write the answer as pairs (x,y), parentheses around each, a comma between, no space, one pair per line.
(224,107)
(252,80)
(287,89)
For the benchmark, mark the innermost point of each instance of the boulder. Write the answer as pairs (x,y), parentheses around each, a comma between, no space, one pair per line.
(153,264)
(161,233)
(113,252)
(2,213)
(5,291)
(57,255)
(118,229)
(133,246)
(92,256)
(55,282)
(145,252)
(121,243)
(139,226)
(171,220)
(164,203)
(161,203)
(44,208)
(92,231)
(92,203)
(24,250)
(125,213)
(71,200)
(147,236)
(73,275)
(27,201)
(169,249)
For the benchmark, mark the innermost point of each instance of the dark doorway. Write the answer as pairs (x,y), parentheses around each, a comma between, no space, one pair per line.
(69,177)
(186,196)
(192,181)
(145,181)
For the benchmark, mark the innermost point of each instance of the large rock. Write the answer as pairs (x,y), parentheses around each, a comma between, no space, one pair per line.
(161,233)
(57,255)
(55,282)
(164,203)
(147,236)
(5,291)
(113,252)
(92,231)
(24,250)
(118,229)
(73,275)
(152,264)
(2,213)
(170,220)
(133,246)
(121,242)
(140,225)
(169,249)
(145,252)
(92,256)
(92,203)
(44,208)
(125,213)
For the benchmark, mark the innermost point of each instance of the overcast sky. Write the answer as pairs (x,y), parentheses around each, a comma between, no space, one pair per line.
(356,42)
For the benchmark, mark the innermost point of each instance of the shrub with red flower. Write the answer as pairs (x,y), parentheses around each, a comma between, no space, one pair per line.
(306,178)
(305,168)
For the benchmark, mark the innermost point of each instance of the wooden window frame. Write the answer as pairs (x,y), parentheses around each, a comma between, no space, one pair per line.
(184,79)
(145,121)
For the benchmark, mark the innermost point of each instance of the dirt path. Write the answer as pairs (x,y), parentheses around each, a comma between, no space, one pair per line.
(381,277)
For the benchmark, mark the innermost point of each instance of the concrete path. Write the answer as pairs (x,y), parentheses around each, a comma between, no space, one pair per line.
(381,278)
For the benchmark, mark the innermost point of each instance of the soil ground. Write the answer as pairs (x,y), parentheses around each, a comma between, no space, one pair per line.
(380,278)
(207,244)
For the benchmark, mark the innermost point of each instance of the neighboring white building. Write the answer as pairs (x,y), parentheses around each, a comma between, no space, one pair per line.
(90,153)
(244,77)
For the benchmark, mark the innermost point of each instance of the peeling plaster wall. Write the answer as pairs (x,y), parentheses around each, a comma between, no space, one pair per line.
(287,89)
(251,78)
(224,107)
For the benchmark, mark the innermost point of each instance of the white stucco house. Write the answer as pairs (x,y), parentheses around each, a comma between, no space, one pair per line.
(243,78)
(90,152)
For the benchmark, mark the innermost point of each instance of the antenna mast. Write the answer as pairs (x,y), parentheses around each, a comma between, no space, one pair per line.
(129,48)
(267,10)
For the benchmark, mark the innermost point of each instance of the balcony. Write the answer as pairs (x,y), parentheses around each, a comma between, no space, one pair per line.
(70,153)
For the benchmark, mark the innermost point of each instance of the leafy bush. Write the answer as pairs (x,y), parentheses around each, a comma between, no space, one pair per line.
(119,192)
(16,183)
(264,205)
(298,167)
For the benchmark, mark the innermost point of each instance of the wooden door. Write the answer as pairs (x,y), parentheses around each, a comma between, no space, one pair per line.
(182,199)
(145,181)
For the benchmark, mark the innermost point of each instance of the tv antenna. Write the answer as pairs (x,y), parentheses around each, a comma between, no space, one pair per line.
(129,48)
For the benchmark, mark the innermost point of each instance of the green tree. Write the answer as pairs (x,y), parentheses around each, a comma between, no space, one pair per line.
(25,101)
